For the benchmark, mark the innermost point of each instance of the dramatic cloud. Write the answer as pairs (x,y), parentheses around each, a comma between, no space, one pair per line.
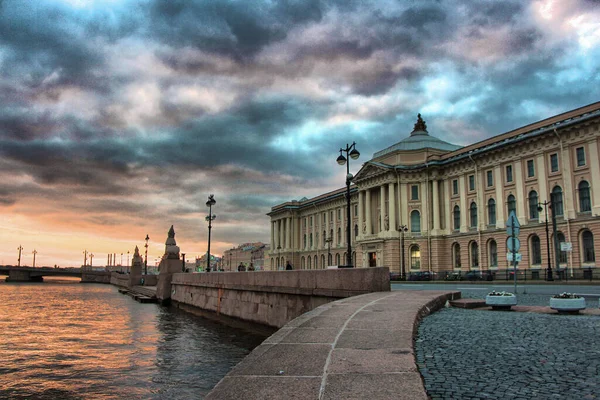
(118,118)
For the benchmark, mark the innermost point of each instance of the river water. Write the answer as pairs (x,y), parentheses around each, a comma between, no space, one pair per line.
(66,340)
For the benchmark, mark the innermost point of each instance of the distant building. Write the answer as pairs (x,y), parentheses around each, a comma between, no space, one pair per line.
(454,202)
(245,253)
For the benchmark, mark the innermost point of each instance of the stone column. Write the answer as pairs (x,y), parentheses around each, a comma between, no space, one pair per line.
(272,236)
(392,206)
(568,190)
(382,207)
(403,204)
(594,160)
(368,212)
(436,208)
(314,231)
(500,200)
(520,195)
(542,180)
(424,209)
(463,204)
(288,226)
(361,214)
(448,205)
(343,225)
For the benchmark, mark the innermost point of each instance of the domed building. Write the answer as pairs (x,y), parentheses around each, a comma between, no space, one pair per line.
(423,204)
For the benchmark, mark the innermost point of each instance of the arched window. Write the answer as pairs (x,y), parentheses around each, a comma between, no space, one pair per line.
(316,262)
(563,254)
(337,259)
(302,262)
(456,255)
(557,199)
(329,259)
(415,257)
(492,212)
(533,205)
(536,250)
(474,250)
(323,261)
(308,260)
(493,253)
(587,241)
(511,204)
(278,263)
(456,214)
(473,212)
(584,197)
(415,221)
(272,264)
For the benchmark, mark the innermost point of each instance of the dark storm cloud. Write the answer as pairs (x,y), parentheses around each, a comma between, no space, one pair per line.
(236,29)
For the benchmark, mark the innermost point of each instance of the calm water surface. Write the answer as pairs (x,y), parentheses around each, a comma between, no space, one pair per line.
(66,340)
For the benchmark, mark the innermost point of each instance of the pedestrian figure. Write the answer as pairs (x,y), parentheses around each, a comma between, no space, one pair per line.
(288,266)
(251,267)
(241,267)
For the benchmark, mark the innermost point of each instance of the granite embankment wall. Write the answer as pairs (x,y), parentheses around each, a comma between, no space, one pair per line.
(273,298)
(122,280)
(95,277)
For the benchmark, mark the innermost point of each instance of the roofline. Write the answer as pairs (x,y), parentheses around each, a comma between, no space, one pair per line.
(323,198)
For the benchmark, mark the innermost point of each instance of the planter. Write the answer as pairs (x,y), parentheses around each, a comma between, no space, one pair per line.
(572,305)
(501,302)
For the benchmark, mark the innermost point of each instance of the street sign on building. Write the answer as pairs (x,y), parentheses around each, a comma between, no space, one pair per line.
(517,244)
(566,246)
(518,257)
(512,221)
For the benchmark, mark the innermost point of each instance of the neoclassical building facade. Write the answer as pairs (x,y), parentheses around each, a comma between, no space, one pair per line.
(449,205)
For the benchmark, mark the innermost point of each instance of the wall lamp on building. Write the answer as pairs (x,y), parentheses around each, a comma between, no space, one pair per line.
(352,153)
(210,217)
(545,205)
(403,229)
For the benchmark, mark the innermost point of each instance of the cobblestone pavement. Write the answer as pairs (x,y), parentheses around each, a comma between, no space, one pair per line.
(523,299)
(475,354)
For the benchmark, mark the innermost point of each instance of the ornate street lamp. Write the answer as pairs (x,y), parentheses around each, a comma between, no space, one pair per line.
(545,208)
(20,248)
(210,217)
(146,256)
(352,153)
(403,229)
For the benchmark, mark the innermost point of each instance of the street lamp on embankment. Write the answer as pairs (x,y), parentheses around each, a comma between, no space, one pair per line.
(352,153)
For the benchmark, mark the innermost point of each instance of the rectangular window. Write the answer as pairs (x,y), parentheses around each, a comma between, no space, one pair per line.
(339,213)
(580,156)
(355,210)
(305,222)
(554,162)
(414,192)
(509,173)
(455,186)
(471,182)
(311,220)
(490,179)
(530,169)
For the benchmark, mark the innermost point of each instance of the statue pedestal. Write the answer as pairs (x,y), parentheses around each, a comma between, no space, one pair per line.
(167,268)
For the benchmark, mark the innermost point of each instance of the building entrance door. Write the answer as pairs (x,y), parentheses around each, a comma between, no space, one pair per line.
(372,259)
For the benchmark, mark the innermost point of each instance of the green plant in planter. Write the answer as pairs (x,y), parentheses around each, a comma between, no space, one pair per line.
(494,293)
(565,295)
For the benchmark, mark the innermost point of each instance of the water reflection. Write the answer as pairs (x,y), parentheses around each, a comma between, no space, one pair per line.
(70,341)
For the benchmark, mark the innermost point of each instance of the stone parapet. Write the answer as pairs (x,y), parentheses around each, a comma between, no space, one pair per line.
(273,298)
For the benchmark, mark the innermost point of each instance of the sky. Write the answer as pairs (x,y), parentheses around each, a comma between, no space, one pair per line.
(119,117)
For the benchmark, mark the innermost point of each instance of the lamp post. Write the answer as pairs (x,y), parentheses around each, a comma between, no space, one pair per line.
(402,229)
(351,152)
(127,257)
(210,217)
(545,208)
(20,248)
(34,252)
(328,241)
(146,256)
(84,258)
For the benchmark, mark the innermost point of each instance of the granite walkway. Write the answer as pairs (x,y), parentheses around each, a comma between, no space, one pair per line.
(357,348)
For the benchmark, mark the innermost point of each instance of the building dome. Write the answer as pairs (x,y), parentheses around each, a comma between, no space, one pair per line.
(419,139)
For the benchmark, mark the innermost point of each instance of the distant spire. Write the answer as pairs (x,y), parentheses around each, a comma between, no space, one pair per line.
(172,231)
(420,125)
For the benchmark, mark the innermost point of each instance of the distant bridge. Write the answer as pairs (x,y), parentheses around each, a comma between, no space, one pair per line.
(30,274)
